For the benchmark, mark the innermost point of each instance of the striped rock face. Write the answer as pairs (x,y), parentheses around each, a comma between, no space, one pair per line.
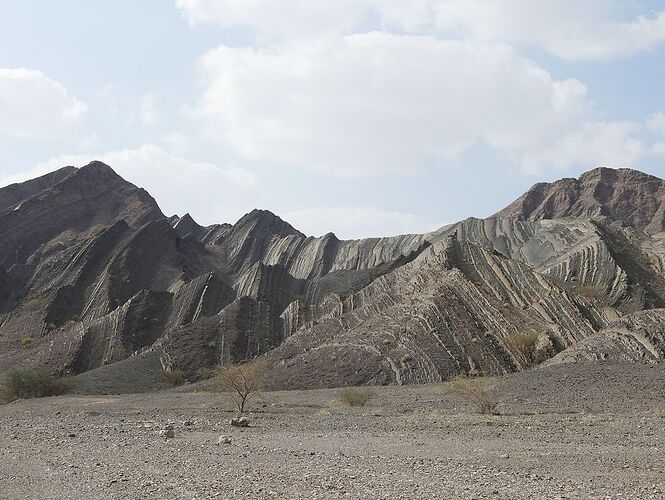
(95,275)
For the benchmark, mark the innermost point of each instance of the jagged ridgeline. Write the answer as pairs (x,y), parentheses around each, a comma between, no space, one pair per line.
(94,276)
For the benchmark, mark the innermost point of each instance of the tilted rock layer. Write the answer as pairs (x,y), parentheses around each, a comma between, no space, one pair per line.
(92,273)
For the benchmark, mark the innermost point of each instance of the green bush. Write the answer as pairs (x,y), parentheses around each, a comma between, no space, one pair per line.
(26,341)
(36,382)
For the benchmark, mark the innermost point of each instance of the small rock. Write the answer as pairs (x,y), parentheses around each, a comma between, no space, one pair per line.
(224,440)
(167,433)
(240,422)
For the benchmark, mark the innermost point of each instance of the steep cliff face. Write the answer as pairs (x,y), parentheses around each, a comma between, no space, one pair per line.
(93,273)
(87,199)
(77,249)
(634,198)
(60,212)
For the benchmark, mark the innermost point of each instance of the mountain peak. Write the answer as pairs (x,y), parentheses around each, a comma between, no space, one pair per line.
(97,167)
(635,198)
(265,220)
(187,226)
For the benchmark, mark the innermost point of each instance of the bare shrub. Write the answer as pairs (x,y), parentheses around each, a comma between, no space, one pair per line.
(523,345)
(173,377)
(36,382)
(242,381)
(355,396)
(484,392)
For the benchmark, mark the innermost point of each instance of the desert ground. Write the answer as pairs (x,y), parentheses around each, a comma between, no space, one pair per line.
(572,431)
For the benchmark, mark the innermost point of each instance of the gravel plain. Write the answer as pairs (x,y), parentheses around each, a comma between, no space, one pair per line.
(576,431)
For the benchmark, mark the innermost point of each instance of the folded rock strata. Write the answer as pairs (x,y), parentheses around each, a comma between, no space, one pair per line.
(92,273)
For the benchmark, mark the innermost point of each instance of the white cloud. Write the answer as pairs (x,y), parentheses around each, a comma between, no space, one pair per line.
(34,106)
(378,102)
(148,111)
(597,143)
(210,193)
(593,29)
(270,19)
(656,123)
(357,222)
(176,142)
(367,86)
(570,29)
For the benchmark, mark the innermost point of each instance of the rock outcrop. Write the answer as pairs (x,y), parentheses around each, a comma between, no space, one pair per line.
(634,198)
(638,337)
(92,274)
(456,308)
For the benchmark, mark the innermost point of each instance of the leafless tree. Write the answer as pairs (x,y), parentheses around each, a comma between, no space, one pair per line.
(242,381)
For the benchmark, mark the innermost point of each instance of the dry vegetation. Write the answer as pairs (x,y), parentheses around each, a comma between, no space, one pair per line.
(242,381)
(523,346)
(483,392)
(594,292)
(26,341)
(173,377)
(26,383)
(355,396)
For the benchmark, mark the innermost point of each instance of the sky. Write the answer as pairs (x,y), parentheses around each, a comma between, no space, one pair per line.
(361,117)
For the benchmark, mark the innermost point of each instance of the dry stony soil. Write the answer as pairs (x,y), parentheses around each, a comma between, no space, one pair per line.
(576,431)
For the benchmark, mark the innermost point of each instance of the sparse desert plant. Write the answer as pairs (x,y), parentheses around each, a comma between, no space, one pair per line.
(34,382)
(26,341)
(355,396)
(597,292)
(523,345)
(51,326)
(31,303)
(206,373)
(118,352)
(484,392)
(173,377)
(242,381)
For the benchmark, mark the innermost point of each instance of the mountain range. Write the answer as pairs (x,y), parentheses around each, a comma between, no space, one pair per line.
(93,276)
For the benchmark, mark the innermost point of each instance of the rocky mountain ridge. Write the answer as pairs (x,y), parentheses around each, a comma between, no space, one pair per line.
(632,197)
(92,274)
